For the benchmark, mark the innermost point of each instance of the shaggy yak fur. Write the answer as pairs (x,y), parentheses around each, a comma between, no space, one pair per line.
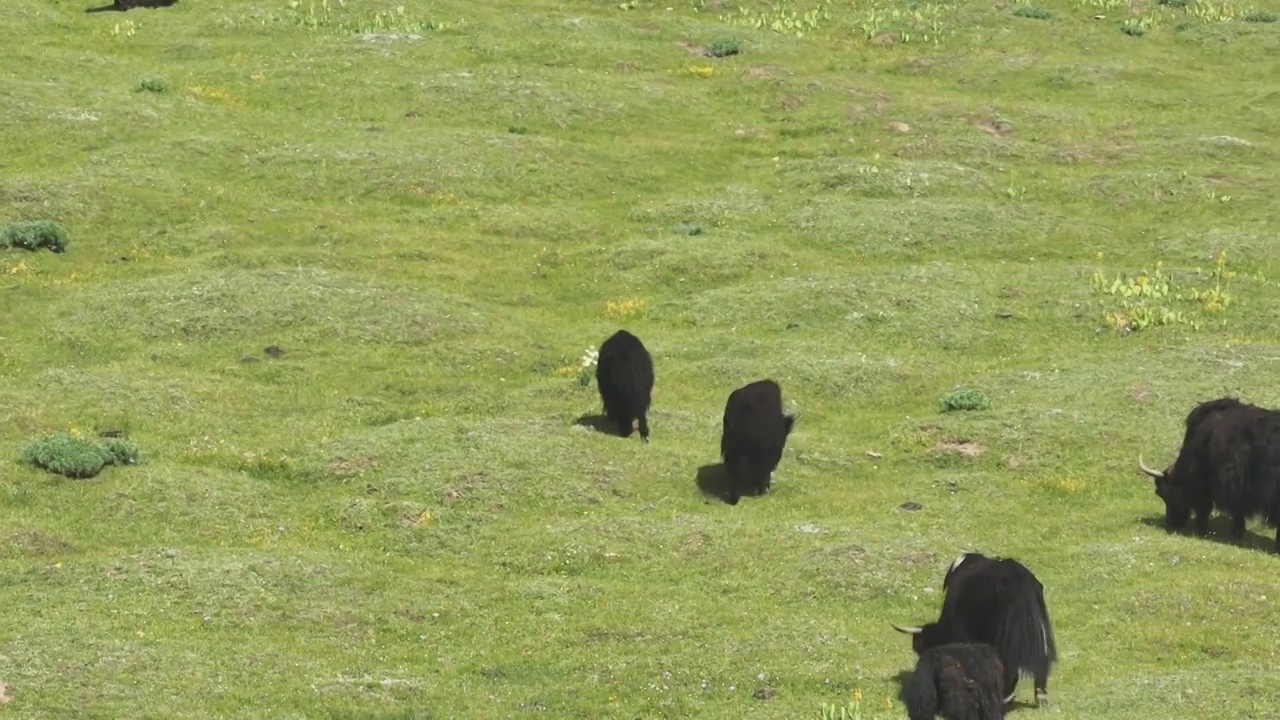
(999,602)
(1230,459)
(754,435)
(624,376)
(959,681)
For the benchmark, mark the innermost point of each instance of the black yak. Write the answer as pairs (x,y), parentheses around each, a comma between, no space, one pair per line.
(1230,459)
(1000,602)
(959,681)
(123,5)
(754,435)
(624,376)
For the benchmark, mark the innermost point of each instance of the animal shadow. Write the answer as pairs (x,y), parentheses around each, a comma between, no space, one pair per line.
(1219,532)
(714,481)
(902,679)
(599,423)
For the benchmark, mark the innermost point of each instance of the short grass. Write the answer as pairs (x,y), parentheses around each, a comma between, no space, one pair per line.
(433,211)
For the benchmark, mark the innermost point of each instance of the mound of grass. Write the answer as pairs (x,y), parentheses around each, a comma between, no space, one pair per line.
(1035,13)
(965,398)
(724,47)
(78,457)
(33,235)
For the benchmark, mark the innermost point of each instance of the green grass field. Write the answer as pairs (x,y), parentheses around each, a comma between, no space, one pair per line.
(435,211)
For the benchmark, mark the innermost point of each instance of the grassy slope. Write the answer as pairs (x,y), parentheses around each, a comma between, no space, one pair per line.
(398,518)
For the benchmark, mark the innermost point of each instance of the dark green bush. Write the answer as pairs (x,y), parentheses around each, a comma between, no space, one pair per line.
(34,235)
(77,457)
(153,85)
(724,47)
(965,398)
(1036,13)
(1261,16)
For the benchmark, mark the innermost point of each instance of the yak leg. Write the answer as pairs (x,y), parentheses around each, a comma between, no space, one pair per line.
(1237,526)
(1010,683)
(1277,548)
(644,428)
(1202,522)
(1042,689)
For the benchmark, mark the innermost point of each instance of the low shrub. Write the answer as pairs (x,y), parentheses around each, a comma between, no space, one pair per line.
(78,457)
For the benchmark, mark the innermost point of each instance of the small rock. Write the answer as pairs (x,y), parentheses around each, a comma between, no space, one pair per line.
(1005,314)
(762,694)
(911,506)
(899,126)
(1230,140)
(808,528)
(273,350)
(874,454)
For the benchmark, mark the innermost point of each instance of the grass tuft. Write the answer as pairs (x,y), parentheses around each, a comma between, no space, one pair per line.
(34,235)
(78,457)
(1035,13)
(965,398)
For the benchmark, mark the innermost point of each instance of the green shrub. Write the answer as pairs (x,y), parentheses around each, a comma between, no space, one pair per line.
(1036,13)
(78,457)
(34,235)
(152,85)
(1261,17)
(724,47)
(965,398)
(1136,28)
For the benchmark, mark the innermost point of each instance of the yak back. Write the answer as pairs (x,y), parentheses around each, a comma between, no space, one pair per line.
(1231,453)
(624,373)
(754,423)
(960,681)
(999,601)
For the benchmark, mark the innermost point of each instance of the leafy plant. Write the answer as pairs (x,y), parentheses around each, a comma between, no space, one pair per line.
(724,47)
(918,22)
(781,16)
(78,457)
(1152,299)
(965,398)
(331,16)
(34,235)
(152,85)
(1035,13)
(1136,27)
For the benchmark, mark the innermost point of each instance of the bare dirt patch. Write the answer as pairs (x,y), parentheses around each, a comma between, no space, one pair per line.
(994,127)
(764,70)
(967,448)
(349,467)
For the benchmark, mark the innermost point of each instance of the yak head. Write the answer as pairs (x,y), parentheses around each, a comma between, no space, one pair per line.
(1176,507)
(922,638)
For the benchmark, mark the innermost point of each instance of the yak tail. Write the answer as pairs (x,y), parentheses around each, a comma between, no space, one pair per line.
(1025,639)
(921,694)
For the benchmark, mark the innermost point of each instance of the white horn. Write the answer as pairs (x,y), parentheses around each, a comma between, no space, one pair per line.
(1153,473)
(907,630)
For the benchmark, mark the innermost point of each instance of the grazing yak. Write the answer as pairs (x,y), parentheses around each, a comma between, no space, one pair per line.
(1230,459)
(754,435)
(1000,602)
(959,681)
(624,376)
